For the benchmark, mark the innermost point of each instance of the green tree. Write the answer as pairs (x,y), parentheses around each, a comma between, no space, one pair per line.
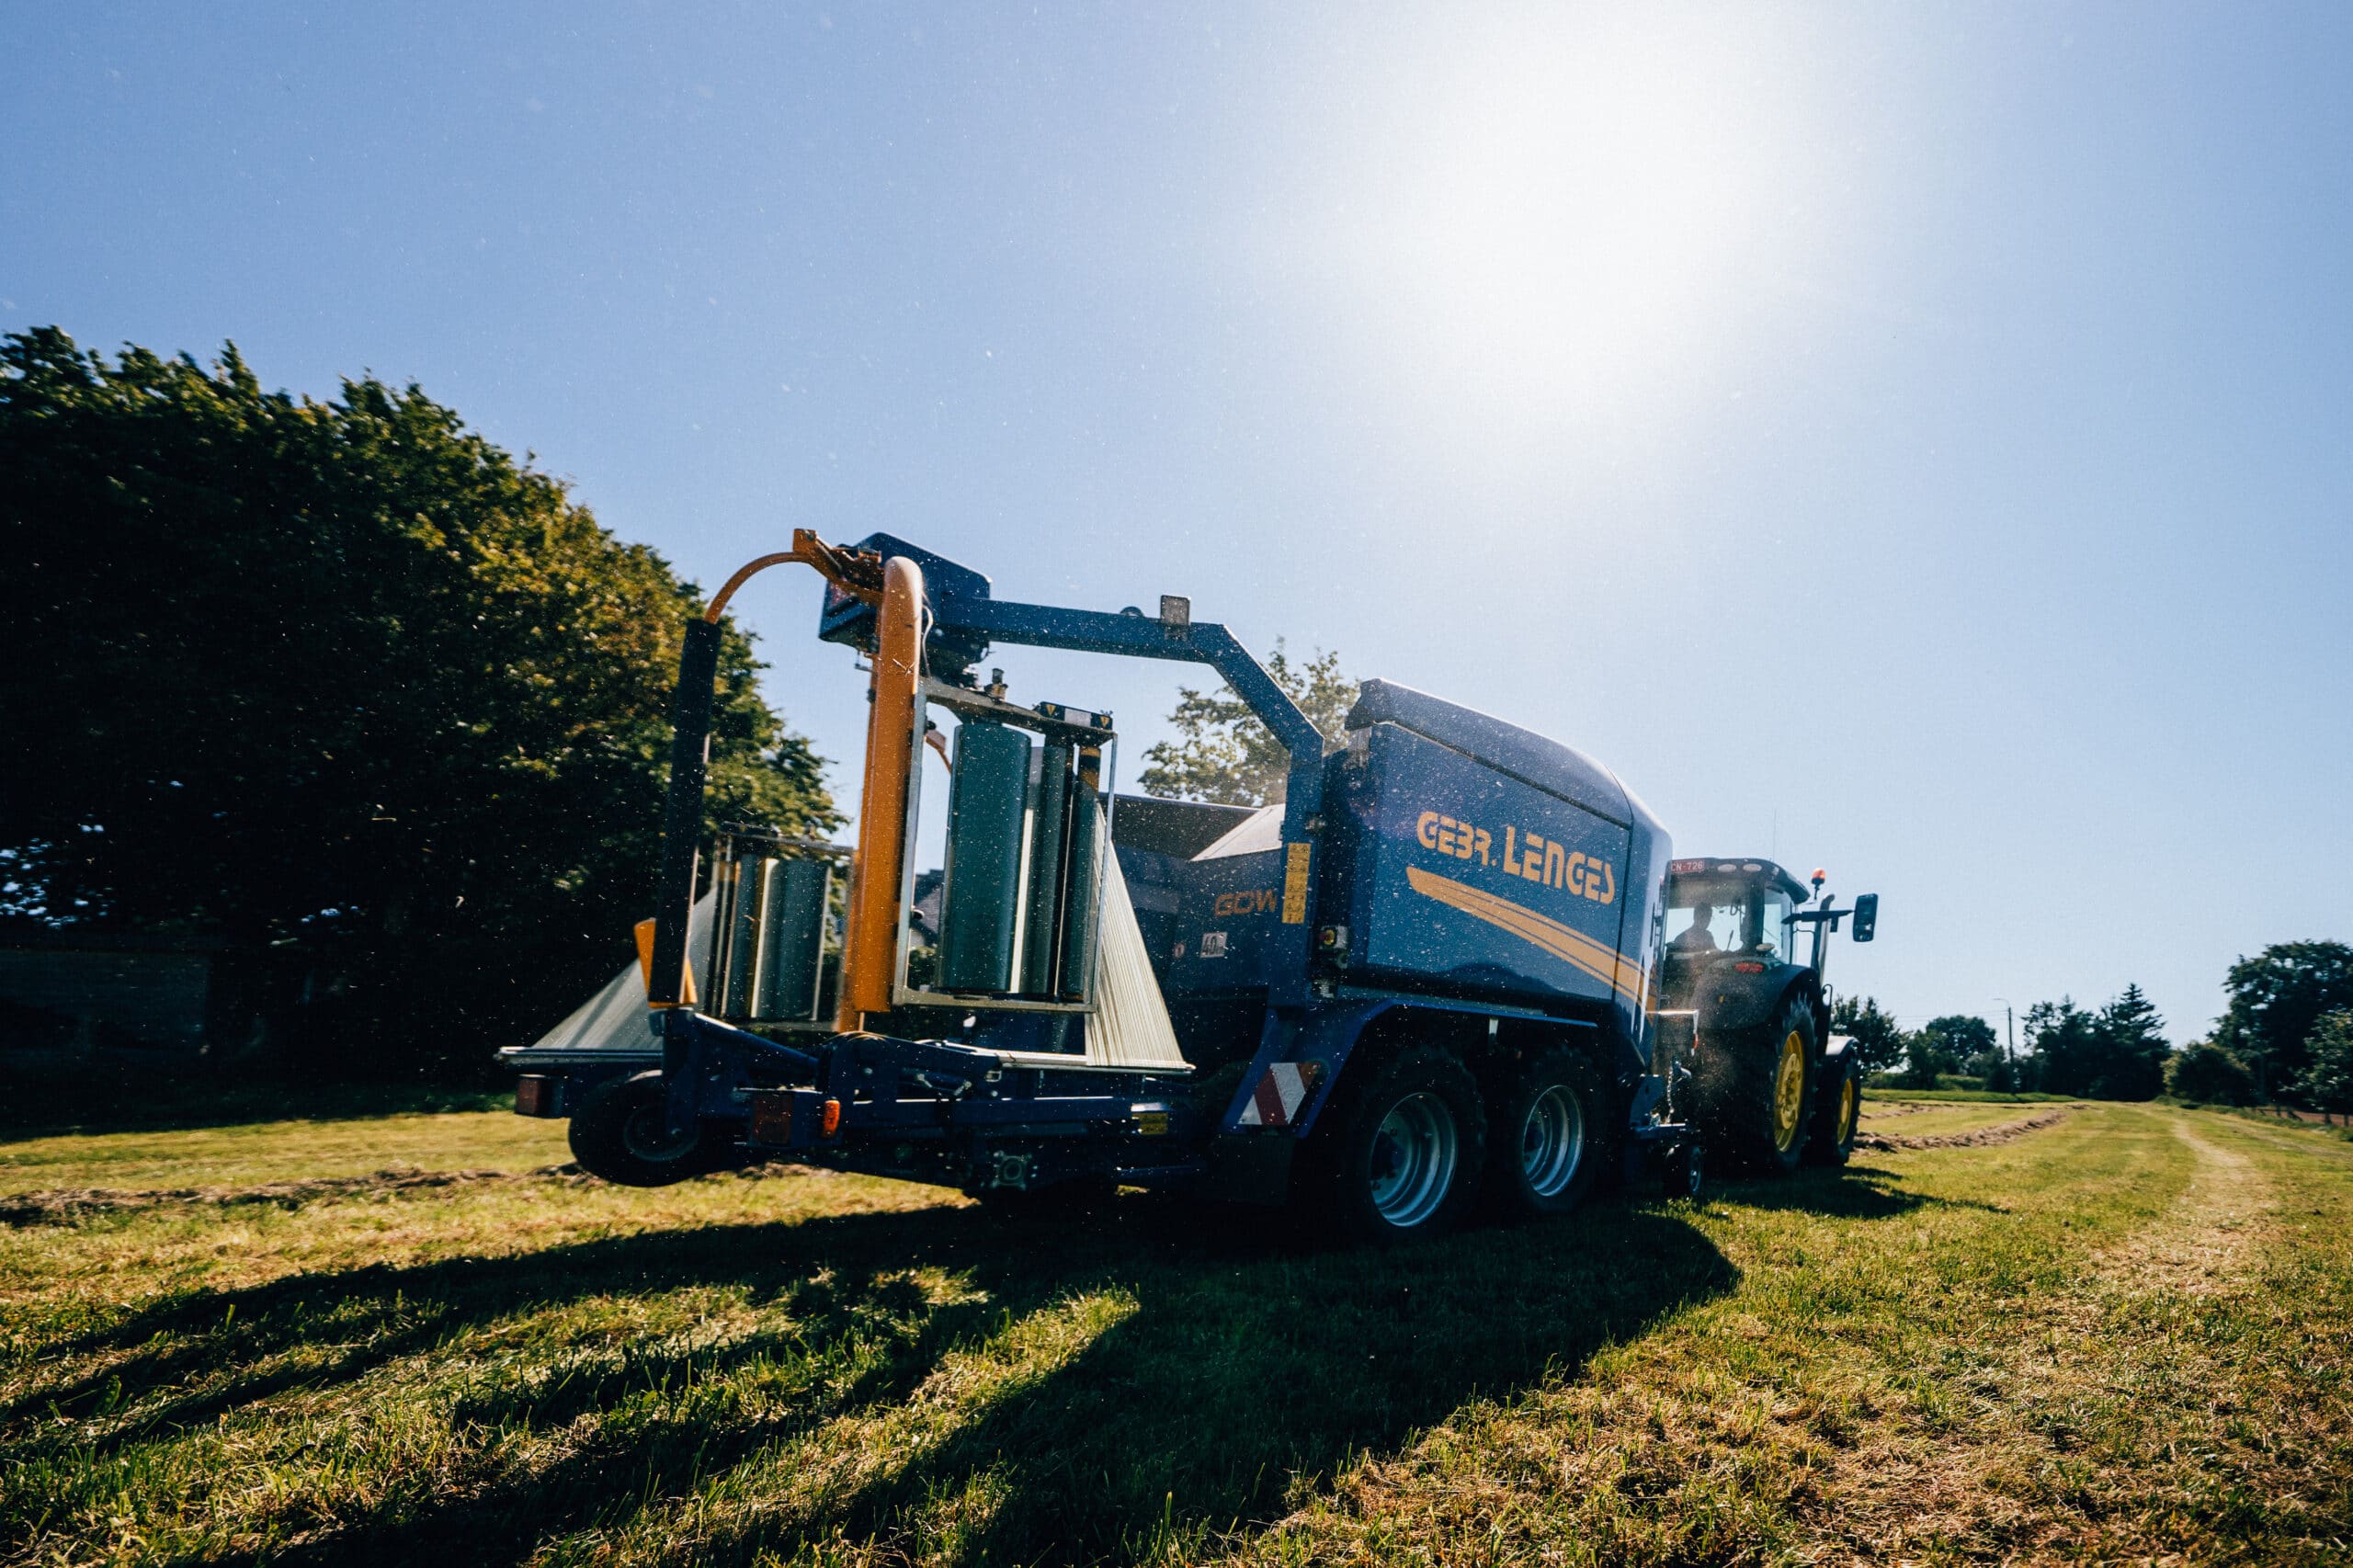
(1879,1040)
(2135,1049)
(1222,752)
(2327,1082)
(1962,1036)
(2204,1074)
(2275,998)
(2117,1053)
(2062,1046)
(1924,1062)
(345,678)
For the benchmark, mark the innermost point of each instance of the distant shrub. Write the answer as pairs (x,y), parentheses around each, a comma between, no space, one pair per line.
(2205,1073)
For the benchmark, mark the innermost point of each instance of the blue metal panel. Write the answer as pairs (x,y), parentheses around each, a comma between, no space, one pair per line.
(1523,754)
(1642,934)
(842,619)
(1228,932)
(1466,878)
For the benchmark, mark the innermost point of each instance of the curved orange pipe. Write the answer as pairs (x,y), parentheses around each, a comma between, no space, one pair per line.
(856,573)
(870,940)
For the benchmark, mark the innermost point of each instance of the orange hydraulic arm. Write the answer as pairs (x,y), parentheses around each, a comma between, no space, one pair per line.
(870,942)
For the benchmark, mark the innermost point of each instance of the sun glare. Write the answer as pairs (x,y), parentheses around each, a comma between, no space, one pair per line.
(1567,220)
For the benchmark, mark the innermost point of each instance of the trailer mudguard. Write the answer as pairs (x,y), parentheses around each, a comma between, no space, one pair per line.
(1290,1080)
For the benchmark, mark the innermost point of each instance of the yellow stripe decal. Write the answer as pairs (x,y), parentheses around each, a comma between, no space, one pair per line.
(1595,958)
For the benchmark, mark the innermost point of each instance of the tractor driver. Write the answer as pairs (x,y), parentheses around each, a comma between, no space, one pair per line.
(1696,937)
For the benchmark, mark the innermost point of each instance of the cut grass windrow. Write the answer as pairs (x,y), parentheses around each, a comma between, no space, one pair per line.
(1980,1138)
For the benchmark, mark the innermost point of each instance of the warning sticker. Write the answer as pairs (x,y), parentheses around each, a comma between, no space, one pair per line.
(1295,886)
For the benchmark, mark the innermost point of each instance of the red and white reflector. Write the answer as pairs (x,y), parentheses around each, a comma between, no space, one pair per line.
(1285,1088)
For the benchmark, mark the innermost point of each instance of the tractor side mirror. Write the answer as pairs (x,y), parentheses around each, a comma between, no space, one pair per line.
(1866,916)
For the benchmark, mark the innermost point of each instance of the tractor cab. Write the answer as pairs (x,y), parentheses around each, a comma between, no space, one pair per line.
(1736,910)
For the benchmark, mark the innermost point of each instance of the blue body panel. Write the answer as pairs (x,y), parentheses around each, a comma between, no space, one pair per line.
(1467,880)
(1229,933)
(1523,754)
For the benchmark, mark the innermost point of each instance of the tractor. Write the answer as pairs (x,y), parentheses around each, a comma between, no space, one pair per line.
(1744,1018)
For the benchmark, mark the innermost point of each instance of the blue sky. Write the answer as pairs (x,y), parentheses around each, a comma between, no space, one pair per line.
(1911,441)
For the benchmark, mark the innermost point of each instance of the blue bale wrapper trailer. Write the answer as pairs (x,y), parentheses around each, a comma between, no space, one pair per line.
(1426,980)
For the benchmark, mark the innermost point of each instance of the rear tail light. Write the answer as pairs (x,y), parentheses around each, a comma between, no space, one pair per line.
(537,1095)
(829,1121)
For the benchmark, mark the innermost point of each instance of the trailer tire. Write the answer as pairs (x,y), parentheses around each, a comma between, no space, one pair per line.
(1838,1112)
(617,1135)
(1551,1137)
(1756,1090)
(1400,1157)
(1685,1171)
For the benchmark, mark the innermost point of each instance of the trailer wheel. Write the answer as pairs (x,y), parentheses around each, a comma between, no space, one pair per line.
(618,1134)
(1406,1151)
(1551,1137)
(1839,1112)
(1758,1090)
(1687,1171)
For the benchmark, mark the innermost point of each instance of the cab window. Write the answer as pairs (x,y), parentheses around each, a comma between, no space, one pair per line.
(1707,920)
(1774,928)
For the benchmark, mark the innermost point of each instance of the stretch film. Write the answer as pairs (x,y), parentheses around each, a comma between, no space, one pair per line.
(793,933)
(1081,882)
(984,811)
(1130,1027)
(1047,835)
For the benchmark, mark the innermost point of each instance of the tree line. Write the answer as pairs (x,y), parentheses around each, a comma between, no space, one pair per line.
(343,683)
(2286,1036)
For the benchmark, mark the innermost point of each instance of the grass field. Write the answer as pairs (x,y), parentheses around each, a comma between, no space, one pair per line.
(2122,1333)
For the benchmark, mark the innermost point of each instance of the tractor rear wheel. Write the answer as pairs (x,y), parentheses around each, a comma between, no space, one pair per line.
(619,1135)
(1400,1158)
(1551,1137)
(1839,1112)
(1758,1090)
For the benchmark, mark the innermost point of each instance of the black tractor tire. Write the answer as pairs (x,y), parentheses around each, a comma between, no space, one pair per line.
(1398,1156)
(618,1134)
(1837,1111)
(1756,1090)
(1553,1136)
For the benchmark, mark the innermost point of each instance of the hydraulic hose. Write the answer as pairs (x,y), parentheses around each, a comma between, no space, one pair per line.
(682,813)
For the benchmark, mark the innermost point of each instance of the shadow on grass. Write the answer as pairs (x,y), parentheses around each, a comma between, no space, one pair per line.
(121,1101)
(1244,1362)
(1854,1193)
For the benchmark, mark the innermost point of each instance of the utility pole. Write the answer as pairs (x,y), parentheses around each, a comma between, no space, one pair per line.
(2010,1031)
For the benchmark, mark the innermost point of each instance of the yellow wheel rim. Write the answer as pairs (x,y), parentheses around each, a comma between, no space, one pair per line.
(1851,1109)
(1789,1092)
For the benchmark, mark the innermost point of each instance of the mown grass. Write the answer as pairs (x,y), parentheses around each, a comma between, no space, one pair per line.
(2125,1334)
